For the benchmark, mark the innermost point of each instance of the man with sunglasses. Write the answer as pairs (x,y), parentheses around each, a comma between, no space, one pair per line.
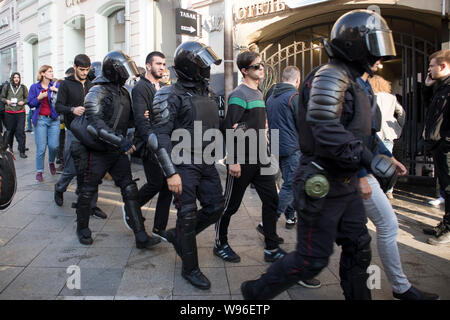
(247,111)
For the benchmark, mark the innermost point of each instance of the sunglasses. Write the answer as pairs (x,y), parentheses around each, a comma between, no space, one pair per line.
(257,66)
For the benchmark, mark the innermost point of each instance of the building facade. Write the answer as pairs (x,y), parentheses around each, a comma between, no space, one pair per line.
(54,31)
(9,38)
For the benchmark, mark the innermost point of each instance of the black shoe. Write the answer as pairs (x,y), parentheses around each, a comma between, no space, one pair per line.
(415,294)
(226,253)
(85,236)
(247,290)
(59,198)
(443,238)
(290,223)
(28,130)
(162,234)
(435,231)
(172,238)
(311,284)
(148,243)
(58,161)
(260,229)
(97,212)
(270,256)
(197,279)
(23,155)
(26,149)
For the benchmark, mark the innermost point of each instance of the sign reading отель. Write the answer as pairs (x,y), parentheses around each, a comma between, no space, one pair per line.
(259,9)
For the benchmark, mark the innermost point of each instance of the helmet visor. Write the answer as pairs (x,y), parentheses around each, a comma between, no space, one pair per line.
(206,57)
(381,43)
(131,69)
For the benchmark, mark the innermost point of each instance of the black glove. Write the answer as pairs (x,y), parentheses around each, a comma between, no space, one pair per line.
(384,169)
(125,145)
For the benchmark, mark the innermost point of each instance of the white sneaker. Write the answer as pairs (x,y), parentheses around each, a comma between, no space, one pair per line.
(436,202)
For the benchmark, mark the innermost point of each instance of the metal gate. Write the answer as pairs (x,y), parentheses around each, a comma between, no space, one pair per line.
(308,53)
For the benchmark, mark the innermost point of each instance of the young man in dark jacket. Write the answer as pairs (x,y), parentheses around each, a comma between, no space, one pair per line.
(437,136)
(143,93)
(282,110)
(70,103)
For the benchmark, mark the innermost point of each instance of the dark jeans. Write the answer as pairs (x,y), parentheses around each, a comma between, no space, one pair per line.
(267,192)
(15,124)
(156,182)
(288,165)
(61,149)
(441,158)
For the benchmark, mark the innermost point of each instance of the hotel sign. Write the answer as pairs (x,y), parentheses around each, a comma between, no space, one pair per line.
(260,9)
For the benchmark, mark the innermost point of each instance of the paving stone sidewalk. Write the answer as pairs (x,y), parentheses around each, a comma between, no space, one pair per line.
(38,243)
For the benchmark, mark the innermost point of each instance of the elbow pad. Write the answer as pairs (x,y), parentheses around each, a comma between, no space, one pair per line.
(160,110)
(327,94)
(162,156)
(110,138)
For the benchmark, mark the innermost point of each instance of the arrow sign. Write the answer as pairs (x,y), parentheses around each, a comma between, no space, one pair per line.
(188,22)
(190,29)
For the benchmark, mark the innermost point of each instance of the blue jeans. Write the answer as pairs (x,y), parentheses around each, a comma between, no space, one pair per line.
(288,165)
(389,145)
(46,133)
(29,122)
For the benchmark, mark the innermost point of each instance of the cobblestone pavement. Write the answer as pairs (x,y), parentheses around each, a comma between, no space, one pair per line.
(38,243)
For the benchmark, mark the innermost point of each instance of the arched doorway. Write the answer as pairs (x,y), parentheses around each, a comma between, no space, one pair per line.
(414,41)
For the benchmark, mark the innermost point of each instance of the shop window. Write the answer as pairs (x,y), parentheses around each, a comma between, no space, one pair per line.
(116,30)
(8,62)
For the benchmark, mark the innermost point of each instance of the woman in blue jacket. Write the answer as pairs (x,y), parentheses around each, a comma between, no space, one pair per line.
(45,119)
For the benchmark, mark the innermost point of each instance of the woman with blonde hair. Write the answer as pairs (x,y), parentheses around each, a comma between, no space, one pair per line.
(392,114)
(45,119)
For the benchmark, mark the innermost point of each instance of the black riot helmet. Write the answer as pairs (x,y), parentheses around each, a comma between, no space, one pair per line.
(193,61)
(362,37)
(117,67)
(95,71)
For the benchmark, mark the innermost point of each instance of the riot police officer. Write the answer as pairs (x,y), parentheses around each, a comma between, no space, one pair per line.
(8,179)
(178,107)
(337,140)
(109,114)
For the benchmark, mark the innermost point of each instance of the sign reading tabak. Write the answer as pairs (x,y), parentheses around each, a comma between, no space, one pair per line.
(260,8)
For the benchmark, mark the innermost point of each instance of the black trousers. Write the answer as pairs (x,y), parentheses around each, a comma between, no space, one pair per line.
(156,182)
(62,141)
(343,221)
(15,124)
(2,120)
(202,182)
(267,192)
(441,158)
(114,162)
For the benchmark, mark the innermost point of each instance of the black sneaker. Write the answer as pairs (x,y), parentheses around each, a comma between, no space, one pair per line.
(290,223)
(443,238)
(98,213)
(415,294)
(270,256)
(148,243)
(23,155)
(311,284)
(162,234)
(59,198)
(435,231)
(260,229)
(226,253)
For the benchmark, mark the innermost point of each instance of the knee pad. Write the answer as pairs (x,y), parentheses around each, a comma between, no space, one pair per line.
(130,192)
(364,256)
(187,210)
